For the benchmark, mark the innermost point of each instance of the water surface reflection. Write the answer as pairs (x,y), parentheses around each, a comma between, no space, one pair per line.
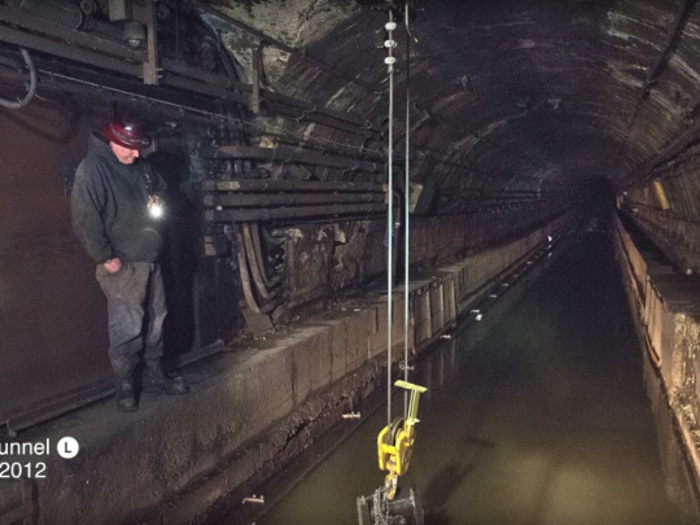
(546,421)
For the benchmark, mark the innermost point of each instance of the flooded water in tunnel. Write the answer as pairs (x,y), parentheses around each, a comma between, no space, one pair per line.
(545,421)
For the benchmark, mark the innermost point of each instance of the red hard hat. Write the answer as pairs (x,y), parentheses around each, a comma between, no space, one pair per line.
(126,133)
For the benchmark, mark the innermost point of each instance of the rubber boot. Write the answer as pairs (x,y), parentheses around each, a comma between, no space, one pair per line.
(156,382)
(126,398)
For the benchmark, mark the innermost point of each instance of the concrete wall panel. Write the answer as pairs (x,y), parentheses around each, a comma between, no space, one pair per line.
(669,321)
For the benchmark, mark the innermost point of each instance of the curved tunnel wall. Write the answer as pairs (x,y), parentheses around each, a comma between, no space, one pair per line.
(517,110)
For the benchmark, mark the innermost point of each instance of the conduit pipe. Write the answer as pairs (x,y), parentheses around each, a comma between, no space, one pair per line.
(313,116)
(56,21)
(238,200)
(293,213)
(255,232)
(289,185)
(286,155)
(681,16)
(31,91)
(245,279)
(254,264)
(70,52)
(269,238)
(312,108)
(684,8)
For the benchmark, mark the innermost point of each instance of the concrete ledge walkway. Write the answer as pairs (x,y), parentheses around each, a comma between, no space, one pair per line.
(250,410)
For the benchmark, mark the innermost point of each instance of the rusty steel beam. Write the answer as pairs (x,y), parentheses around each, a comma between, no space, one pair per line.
(293,213)
(289,185)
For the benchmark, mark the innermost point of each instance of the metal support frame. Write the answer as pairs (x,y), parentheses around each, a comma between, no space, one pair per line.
(256,80)
(151,71)
(120,58)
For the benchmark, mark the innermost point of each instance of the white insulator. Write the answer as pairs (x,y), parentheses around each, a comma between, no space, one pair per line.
(390,43)
(390,26)
(389,61)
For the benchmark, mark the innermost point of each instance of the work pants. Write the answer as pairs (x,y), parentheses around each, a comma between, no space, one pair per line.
(136,308)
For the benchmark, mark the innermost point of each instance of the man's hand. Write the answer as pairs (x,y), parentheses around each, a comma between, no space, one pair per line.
(113,265)
(155,200)
(155,206)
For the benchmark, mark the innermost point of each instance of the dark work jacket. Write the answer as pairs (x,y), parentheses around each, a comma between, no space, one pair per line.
(109,204)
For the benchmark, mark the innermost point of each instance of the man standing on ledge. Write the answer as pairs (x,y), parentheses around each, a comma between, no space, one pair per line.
(117,210)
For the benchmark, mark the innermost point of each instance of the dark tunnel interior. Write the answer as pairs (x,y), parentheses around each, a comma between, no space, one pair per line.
(318,155)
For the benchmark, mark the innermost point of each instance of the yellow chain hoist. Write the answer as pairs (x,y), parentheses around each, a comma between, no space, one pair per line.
(395,441)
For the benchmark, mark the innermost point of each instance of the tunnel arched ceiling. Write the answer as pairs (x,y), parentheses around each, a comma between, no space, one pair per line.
(507,96)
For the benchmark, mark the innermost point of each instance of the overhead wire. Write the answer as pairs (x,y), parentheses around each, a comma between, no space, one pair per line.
(407,194)
(390,60)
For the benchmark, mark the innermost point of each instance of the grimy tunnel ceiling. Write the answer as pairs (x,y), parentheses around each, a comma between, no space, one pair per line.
(517,101)
(520,102)
(528,95)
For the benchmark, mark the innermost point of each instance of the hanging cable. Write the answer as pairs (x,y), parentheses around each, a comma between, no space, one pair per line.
(19,104)
(407,187)
(390,60)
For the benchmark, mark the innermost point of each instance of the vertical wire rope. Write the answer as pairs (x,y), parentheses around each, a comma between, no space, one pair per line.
(407,178)
(390,214)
